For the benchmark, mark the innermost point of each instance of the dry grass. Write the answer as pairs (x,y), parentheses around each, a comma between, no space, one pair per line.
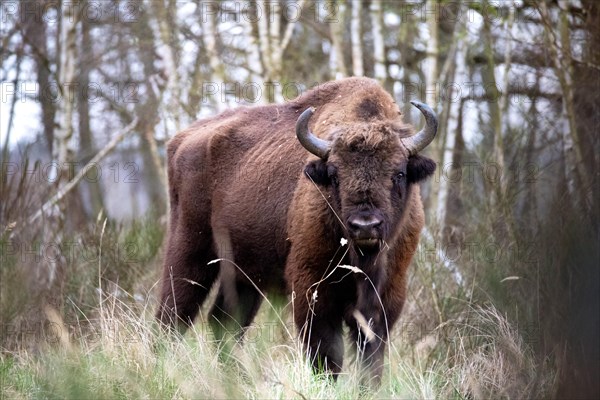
(91,334)
(116,351)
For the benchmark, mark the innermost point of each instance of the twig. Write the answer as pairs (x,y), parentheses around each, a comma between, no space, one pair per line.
(289,29)
(100,301)
(13,103)
(62,192)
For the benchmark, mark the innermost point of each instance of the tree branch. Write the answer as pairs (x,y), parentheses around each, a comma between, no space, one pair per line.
(63,191)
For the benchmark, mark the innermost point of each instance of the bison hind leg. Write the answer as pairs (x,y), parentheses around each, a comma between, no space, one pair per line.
(237,301)
(182,296)
(234,309)
(187,279)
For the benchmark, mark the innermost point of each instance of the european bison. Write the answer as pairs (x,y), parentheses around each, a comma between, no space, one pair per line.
(277,202)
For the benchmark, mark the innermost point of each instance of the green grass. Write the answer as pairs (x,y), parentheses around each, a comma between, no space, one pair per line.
(89,344)
(478,356)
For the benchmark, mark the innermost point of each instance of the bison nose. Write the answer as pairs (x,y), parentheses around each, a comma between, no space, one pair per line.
(364,224)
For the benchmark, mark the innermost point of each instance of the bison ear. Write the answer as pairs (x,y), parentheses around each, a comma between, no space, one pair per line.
(317,171)
(419,168)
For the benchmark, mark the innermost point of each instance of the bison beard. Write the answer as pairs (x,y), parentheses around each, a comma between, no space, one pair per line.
(274,206)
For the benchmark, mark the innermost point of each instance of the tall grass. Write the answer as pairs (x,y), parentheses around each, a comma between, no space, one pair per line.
(90,333)
(102,342)
(126,357)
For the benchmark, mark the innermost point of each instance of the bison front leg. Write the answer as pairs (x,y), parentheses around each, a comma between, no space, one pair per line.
(370,336)
(368,324)
(320,327)
(371,352)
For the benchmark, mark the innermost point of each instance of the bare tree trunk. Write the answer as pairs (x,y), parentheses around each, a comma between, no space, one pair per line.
(64,115)
(337,39)
(86,145)
(356,35)
(35,36)
(406,38)
(454,116)
(264,38)
(530,202)
(289,31)
(167,32)
(63,136)
(255,67)
(265,46)
(507,65)
(209,37)
(380,71)
(197,78)
(54,225)
(577,176)
(431,74)
(494,189)
(436,201)
(275,43)
(153,167)
(11,113)
(454,214)
(48,106)
(272,45)
(431,98)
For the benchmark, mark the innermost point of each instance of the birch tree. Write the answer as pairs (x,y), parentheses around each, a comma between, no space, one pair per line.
(166,33)
(437,201)
(405,40)
(530,209)
(272,45)
(66,78)
(454,116)
(11,113)
(148,108)
(264,38)
(380,71)
(508,48)
(35,35)
(274,41)
(336,29)
(86,143)
(53,227)
(356,36)
(209,37)
(560,52)
(495,189)
(253,53)
(431,60)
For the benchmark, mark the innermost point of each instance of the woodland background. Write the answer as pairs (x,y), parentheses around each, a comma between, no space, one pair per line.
(505,289)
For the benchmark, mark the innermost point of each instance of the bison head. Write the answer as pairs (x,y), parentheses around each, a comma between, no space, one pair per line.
(367,168)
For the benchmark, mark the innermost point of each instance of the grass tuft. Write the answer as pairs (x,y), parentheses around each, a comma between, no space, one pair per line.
(481,356)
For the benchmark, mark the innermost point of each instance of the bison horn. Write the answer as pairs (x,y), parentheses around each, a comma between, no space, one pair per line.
(309,141)
(420,140)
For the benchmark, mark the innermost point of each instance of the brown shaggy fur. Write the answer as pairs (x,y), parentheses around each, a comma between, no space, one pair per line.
(243,189)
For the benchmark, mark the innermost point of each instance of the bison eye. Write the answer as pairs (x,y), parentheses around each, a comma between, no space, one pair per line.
(399,178)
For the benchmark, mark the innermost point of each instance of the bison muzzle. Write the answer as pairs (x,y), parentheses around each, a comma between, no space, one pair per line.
(318,197)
